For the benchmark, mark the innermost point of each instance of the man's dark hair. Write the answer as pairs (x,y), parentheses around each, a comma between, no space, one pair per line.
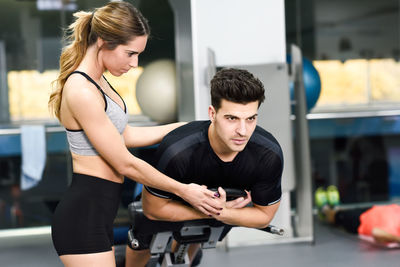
(236,85)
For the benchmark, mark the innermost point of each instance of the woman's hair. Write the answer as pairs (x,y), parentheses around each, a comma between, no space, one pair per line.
(236,85)
(116,23)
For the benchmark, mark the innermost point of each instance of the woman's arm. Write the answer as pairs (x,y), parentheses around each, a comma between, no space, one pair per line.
(146,136)
(108,142)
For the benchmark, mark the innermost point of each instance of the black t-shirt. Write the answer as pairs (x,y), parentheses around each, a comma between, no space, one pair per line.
(185,154)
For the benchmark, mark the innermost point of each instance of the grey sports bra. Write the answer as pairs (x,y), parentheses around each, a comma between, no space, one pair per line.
(77,139)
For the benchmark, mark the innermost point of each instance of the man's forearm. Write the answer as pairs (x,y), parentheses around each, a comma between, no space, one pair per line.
(174,211)
(156,208)
(252,217)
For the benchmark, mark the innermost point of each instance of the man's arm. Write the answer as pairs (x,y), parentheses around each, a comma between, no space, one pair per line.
(156,208)
(253,217)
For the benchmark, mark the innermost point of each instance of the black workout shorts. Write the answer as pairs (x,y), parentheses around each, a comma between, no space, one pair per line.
(83,220)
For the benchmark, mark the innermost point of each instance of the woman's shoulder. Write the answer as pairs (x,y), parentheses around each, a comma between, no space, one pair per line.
(77,88)
(76,81)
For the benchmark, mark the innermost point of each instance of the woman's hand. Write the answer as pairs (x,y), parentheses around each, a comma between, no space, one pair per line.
(202,199)
(227,206)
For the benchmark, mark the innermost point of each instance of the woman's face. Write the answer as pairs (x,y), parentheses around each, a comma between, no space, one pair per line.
(124,57)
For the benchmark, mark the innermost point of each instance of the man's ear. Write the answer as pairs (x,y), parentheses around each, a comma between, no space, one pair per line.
(211,113)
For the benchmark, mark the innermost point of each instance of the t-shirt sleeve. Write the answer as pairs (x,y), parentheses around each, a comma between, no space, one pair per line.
(267,190)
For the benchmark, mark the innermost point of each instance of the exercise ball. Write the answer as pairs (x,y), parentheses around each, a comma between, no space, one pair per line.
(156,91)
(312,83)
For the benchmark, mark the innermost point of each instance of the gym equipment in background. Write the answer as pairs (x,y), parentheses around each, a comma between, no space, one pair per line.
(312,82)
(156,91)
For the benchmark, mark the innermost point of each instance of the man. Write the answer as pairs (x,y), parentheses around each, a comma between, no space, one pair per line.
(228,151)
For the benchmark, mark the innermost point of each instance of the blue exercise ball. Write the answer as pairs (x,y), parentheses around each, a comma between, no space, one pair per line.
(312,83)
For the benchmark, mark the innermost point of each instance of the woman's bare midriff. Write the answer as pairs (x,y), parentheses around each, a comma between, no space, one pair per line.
(95,166)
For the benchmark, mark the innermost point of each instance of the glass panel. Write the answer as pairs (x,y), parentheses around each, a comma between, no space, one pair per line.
(359,155)
(357,48)
(32,45)
(354,126)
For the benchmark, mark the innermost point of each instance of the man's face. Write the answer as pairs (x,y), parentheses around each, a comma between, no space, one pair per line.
(233,125)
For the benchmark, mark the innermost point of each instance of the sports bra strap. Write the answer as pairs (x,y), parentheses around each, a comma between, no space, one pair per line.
(92,81)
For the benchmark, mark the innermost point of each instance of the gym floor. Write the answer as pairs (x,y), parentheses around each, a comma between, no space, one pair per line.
(332,247)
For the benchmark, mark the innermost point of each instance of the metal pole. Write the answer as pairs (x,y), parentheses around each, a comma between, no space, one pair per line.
(4,104)
(298,23)
(302,150)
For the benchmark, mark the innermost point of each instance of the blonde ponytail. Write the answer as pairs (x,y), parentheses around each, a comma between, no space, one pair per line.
(77,37)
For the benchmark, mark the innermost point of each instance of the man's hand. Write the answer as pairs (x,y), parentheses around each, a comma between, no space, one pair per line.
(255,216)
(202,199)
(238,203)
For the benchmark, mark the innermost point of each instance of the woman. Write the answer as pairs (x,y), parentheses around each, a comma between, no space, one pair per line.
(95,117)
(379,222)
